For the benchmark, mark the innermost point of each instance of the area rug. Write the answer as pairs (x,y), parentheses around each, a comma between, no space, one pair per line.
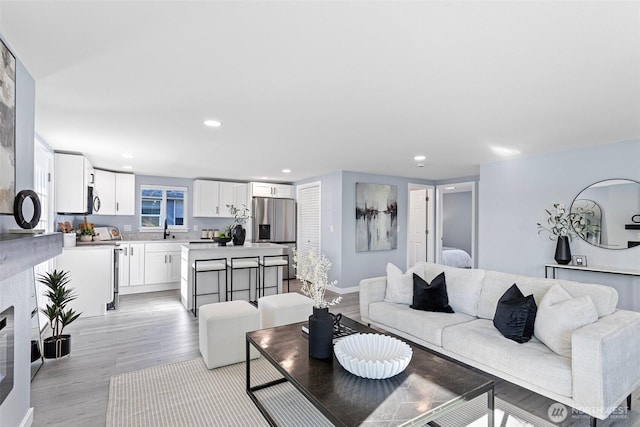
(188,394)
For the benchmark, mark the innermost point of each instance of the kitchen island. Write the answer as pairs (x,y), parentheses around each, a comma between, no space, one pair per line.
(208,281)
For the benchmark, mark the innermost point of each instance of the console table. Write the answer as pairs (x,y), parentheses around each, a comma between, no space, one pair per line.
(608,270)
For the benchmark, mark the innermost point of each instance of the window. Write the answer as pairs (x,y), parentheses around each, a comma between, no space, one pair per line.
(158,203)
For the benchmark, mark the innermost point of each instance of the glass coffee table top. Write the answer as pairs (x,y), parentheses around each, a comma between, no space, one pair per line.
(430,386)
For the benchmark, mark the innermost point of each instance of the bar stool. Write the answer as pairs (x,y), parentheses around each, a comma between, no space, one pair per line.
(269,261)
(243,263)
(204,265)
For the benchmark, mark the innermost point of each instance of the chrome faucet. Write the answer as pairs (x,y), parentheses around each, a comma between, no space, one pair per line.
(166,232)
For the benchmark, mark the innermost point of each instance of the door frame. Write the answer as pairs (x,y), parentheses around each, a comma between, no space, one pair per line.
(431,235)
(454,188)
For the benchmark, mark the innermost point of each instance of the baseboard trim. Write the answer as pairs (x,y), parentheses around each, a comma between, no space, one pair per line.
(342,291)
(28,419)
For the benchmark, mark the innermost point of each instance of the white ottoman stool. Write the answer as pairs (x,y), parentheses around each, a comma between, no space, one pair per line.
(283,309)
(222,329)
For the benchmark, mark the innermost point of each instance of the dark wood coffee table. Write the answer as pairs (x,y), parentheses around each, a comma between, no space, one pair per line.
(430,386)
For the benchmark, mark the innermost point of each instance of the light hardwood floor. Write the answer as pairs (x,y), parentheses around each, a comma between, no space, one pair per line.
(147,330)
(154,329)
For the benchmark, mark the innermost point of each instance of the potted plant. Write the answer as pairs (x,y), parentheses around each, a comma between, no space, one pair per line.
(86,234)
(59,295)
(240,217)
(312,270)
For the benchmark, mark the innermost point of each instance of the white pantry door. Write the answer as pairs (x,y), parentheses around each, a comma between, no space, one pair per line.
(308,218)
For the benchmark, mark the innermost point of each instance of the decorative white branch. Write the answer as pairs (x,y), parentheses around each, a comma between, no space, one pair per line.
(312,270)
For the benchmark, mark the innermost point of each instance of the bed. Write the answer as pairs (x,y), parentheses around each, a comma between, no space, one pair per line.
(455,257)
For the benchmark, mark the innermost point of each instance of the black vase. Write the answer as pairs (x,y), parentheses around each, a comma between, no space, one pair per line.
(320,334)
(238,234)
(54,349)
(563,251)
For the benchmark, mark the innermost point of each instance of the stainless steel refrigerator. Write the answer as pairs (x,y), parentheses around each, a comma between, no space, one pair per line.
(274,221)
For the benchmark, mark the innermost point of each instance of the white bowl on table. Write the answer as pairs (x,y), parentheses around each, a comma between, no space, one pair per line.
(373,356)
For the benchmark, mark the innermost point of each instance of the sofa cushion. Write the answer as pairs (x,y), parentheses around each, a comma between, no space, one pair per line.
(400,286)
(463,286)
(496,283)
(559,315)
(515,315)
(430,296)
(533,361)
(425,325)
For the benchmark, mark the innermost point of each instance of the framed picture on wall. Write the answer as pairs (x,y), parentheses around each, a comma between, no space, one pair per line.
(7,129)
(376,217)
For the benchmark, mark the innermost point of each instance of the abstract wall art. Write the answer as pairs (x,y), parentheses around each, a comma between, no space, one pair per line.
(376,217)
(7,129)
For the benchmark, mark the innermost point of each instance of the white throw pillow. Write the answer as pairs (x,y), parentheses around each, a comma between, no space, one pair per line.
(559,314)
(400,286)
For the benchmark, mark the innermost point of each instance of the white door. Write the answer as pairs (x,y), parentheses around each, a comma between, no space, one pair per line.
(417,226)
(308,218)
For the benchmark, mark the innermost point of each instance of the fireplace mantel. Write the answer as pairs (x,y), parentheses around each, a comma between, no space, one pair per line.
(19,253)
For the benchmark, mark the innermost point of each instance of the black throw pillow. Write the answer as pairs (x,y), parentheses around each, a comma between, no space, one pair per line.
(515,315)
(430,297)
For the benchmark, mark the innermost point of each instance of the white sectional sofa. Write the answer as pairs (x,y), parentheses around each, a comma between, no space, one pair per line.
(604,367)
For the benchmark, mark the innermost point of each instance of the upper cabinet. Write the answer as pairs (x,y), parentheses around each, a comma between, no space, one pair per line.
(113,193)
(104,193)
(73,177)
(210,198)
(265,189)
(125,194)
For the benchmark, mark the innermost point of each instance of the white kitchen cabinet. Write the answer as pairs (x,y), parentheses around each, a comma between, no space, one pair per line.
(206,198)
(114,193)
(91,276)
(73,176)
(104,193)
(161,263)
(210,198)
(131,264)
(264,189)
(125,194)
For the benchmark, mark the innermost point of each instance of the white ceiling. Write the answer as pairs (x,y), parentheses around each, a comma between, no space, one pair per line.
(319,87)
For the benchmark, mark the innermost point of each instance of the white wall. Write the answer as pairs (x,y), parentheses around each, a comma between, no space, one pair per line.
(512,198)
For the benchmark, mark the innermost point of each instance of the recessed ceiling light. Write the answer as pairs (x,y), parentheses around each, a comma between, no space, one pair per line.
(213,123)
(419,158)
(504,151)
(286,170)
(127,167)
(127,155)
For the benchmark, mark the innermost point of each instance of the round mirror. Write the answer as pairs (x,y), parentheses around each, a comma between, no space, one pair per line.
(603,214)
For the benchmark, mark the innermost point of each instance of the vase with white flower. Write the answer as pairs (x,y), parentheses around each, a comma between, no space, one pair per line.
(560,228)
(312,269)
(240,217)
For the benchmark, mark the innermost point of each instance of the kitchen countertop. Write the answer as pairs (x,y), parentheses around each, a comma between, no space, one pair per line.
(247,245)
(189,244)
